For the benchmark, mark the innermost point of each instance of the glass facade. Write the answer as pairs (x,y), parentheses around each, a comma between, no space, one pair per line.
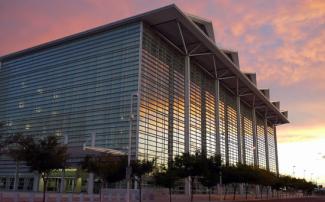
(231,124)
(271,148)
(162,104)
(161,123)
(247,132)
(222,125)
(85,87)
(261,142)
(73,90)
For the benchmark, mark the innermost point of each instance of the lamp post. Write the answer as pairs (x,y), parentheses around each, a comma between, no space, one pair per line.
(293,170)
(128,170)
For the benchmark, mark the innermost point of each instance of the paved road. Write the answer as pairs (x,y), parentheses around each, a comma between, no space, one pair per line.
(309,199)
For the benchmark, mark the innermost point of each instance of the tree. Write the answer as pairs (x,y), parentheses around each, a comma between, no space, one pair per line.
(139,169)
(247,176)
(43,156)
(210,172)
(278,184)
(14,146)
(190,165)
(231,175)
(109,168)
(264,178)
(167,177)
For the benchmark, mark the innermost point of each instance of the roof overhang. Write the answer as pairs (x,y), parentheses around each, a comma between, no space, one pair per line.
(166,21)
(103,150)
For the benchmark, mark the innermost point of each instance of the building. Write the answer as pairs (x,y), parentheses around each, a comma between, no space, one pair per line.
(159,76)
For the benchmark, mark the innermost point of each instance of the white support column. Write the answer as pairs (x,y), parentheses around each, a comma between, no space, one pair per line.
(187,89)
(276,150)
(239,133)
(187,103)
(217,115)
(36,182)
(266,145)
(90,182)
(240,158)
(255,141)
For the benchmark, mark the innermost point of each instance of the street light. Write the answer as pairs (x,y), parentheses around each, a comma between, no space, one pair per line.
(128,170)
(293,170)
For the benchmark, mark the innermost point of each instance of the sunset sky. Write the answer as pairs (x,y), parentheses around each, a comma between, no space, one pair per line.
(282,41)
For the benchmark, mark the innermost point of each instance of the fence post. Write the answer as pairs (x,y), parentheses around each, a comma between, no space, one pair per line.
(70,197)
(58,197)
(31,197)
(91,197)
(15,196)
(81,197)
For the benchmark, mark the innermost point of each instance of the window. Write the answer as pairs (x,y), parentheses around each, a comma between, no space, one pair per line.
(20,184)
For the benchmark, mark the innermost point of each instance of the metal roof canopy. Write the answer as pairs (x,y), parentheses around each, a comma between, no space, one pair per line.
(165,21)
(83,151)
(104,150)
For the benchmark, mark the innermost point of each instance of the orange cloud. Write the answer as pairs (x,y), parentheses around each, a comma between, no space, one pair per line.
(291,133)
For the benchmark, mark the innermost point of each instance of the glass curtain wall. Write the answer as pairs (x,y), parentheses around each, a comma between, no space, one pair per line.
(261,142)
(231,125)
(73,89)
(202,113)
(197,132)
(271,147)
(161,127)
(222,123)
(209,94)
(247,132)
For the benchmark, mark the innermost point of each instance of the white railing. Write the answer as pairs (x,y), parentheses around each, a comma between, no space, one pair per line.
(49,197)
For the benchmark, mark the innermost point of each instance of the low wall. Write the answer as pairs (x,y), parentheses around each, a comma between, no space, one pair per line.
(120,195)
